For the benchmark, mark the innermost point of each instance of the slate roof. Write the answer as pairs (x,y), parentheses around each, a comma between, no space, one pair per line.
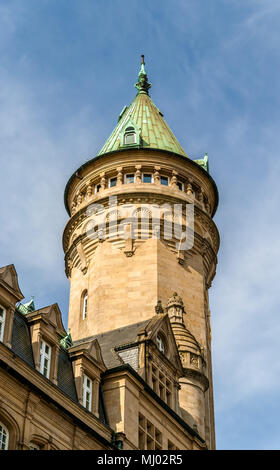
(21,341)
(114,338)
(21,345)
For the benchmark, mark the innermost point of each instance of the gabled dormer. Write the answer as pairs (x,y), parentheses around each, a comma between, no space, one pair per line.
(10,294)
(46,331)
(88,365)
(130,135)
(159,360)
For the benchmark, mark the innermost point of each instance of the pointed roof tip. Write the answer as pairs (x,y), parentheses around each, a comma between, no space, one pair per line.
(143,85)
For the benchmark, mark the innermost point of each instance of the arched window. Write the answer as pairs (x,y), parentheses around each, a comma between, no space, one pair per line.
(84,304)
(130,136)
(4,437)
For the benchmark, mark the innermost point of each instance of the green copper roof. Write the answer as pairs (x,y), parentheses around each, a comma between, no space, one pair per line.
(66,342)
(147,120)
(203,162)
(27,307)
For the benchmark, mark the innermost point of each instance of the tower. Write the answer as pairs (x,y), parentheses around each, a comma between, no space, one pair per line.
(126,259)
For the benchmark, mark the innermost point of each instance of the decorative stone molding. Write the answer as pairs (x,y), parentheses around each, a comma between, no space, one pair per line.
(197,376)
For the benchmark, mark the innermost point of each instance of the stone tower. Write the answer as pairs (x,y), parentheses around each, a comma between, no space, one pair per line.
(124,245)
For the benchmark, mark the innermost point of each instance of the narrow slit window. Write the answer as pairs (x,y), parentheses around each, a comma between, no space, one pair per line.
(2,322)
(97,188)
(85,305)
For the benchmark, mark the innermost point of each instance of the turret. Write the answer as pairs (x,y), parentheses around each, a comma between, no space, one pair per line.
(124,242)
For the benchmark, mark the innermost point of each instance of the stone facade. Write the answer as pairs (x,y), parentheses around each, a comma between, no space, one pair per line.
(134,370)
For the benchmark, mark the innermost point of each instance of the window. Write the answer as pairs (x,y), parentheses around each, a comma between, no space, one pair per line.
(164,180)
(34,447)
(4,437)
(147,178)
(172,446)
(97,188)
(129,178)
(112,182)
(180,186)
(87,393)
(160,344)
(150,438)
(130,136)
(85,304)
(2,322)
(45,359)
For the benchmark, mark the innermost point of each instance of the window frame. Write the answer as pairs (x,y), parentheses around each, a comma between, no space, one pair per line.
(4,431)
(167,178)
(33,446)
(160,344)
(182,184)
(3,323)
(44,356)
(125,178)
(84,305)
(97,188)
(129,131)
(148,174)
(87,401)
(114,185)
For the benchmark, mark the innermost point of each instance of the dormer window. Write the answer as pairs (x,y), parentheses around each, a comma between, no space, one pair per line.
(45,359)
(130,136)
(160,344)
(87,393)
(2,322)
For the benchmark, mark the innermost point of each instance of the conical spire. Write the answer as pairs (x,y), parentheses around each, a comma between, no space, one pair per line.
(143,85)
(151,129)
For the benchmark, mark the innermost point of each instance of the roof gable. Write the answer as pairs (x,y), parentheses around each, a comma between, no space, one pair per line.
(160,325)
(9,279)
(50,314)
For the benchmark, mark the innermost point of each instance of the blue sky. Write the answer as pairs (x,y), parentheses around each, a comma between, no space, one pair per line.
(67,69)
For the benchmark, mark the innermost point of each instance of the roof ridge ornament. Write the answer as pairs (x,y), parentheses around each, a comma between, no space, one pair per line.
(143,85)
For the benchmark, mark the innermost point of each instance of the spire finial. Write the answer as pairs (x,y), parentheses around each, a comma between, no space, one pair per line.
(143,85)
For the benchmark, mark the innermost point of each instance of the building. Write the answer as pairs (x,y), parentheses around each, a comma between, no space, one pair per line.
(133,370)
